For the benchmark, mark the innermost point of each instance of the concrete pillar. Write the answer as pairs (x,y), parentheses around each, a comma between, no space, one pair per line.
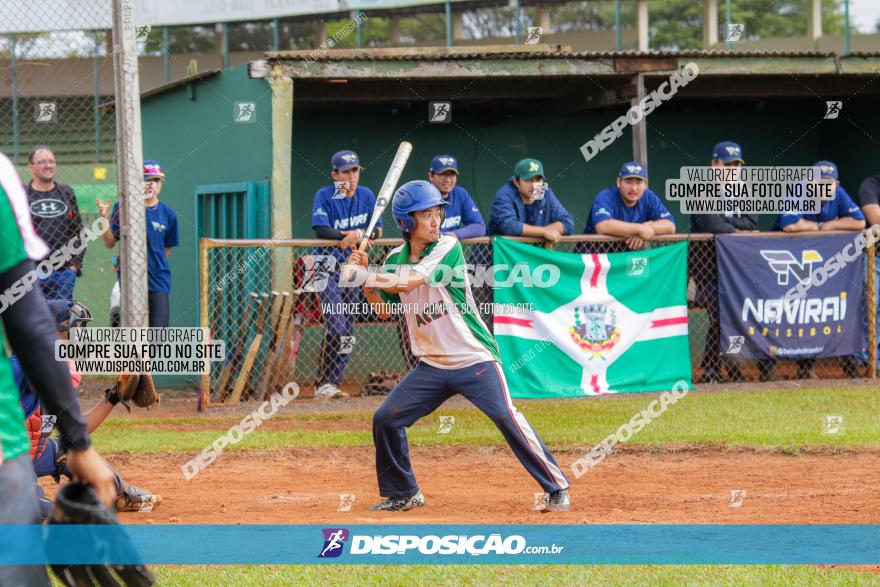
(282,159)
(710,23)
(394,30)
(544,19)
(457,25)
(639,130)
(320,33)
(814,19)
(642,24)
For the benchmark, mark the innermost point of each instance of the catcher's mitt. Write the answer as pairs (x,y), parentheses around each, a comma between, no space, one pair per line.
(77,503)
(145,395)
(379,383)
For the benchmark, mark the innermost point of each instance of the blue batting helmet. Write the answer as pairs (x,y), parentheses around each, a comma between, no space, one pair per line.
(412,197)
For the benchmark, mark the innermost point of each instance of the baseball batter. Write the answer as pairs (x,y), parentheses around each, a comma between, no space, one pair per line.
(456,352)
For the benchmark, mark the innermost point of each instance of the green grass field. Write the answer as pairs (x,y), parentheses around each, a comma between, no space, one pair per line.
(776,420)
(545,575)
(789,421)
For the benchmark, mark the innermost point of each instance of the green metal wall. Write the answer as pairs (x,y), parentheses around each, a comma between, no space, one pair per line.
(197,143)
(787,131)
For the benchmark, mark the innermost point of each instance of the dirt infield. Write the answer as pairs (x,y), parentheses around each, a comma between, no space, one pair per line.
(474,485)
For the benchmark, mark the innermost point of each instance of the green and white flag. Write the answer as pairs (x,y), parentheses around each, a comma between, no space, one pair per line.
(612,323)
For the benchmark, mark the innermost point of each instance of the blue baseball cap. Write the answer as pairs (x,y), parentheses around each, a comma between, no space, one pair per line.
(345,160)
(633,169)
(442,163)
(728,151)
(828,169)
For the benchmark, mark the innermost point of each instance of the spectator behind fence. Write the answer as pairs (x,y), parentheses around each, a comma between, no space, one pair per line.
(869,198)
(630,209)
(56,218)
(725,154)
(527,206)
(841,213)
(341,212)
(463,219)
(161,237)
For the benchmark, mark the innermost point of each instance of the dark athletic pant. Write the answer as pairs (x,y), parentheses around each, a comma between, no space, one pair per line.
(18,505)
(422,391)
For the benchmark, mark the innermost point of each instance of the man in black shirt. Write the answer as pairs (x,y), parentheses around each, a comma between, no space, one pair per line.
(56,219)
(725,154)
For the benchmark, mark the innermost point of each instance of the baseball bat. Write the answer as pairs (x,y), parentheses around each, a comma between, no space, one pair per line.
(388,187)
(259,369)
(288,351)
(267,385)
(251,355)
(277,300)
(272,324)
(234,355)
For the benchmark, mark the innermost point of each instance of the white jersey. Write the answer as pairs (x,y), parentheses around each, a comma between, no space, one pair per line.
(444,328)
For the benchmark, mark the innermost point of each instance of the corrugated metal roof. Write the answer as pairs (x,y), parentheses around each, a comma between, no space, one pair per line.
(538,52)
(179,82)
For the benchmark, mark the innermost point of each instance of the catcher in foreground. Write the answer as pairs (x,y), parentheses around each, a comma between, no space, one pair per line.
(455,349)
(47,453)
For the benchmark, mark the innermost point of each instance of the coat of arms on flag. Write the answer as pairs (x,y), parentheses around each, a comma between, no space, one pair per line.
(601,329)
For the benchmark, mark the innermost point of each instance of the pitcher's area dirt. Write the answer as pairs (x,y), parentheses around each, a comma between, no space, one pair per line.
(488,485)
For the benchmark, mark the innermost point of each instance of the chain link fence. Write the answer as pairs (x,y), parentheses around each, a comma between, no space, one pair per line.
(58,124)
(56,92)
(273,337)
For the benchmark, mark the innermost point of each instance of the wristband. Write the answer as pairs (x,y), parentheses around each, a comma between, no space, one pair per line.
(111,396)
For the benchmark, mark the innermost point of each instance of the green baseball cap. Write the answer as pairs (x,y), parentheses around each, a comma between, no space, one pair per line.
(528,168)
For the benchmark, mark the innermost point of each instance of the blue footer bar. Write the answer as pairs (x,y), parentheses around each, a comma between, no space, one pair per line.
(433,544)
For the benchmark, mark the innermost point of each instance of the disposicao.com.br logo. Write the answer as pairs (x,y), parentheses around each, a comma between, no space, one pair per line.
(480,544)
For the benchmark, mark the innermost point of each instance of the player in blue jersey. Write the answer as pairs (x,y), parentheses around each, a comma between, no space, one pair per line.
(630,209)
(341,212)
(724,154)
(869,198)
(463,218)
(841,213)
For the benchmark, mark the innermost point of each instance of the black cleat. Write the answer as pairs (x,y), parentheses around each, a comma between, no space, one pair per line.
(400,504)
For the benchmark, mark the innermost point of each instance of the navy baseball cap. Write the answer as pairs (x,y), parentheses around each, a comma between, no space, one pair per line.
(828,169)
(442,163)
(633,169)
(345,160)
(728,151)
